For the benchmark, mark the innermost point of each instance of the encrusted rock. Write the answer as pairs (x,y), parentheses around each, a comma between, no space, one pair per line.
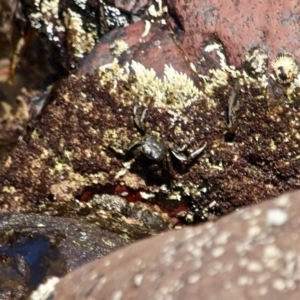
(82,140)
(150,44)
(248,122)
(243,254)
(255,61)
(71,28)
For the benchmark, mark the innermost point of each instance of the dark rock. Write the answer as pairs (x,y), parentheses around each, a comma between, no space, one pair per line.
(34,248)
(70,29)
(130,6)
(251,254)
(247,120)
(81,139)
(135,220)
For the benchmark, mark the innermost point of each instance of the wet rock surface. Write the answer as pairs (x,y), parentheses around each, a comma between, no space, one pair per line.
(34,248)
(131,219)
(252,253)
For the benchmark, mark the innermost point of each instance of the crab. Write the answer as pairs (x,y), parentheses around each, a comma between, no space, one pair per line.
(156,149)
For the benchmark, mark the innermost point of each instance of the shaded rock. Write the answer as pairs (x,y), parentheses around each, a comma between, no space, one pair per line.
(134,220)
(70,29)
(252,254)
(34,248)
(237,25)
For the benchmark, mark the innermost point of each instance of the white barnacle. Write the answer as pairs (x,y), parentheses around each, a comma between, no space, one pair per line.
(255,61)
(285,68)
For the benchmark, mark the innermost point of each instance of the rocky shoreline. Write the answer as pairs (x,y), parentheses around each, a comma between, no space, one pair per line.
(164,115)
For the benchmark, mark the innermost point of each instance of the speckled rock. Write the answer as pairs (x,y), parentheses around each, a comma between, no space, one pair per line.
(251,254)
(237,25)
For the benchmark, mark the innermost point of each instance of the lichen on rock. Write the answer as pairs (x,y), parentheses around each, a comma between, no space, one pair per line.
(81,141)
(70,29)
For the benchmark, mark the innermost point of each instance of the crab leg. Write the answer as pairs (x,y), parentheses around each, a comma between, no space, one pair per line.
(197,152)
(183,157)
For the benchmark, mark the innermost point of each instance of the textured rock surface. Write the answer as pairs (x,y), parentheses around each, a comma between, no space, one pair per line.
(249,124)
(70,29)
(80,142)
(34,248)
(251,254)
(237,25)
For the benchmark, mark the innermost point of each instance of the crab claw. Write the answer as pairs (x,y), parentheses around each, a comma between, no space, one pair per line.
(179,156)
(183,157)
(198,151)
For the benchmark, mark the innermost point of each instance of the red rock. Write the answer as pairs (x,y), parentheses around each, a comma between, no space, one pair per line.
(238,25)
(250,254)
(154,49)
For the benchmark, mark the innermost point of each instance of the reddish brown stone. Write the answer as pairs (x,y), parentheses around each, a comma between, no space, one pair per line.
(238,25)
(154,49)
(251,254)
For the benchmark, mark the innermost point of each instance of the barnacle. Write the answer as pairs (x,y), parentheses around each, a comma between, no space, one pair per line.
(285,68)
(255,62)
(83,41)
